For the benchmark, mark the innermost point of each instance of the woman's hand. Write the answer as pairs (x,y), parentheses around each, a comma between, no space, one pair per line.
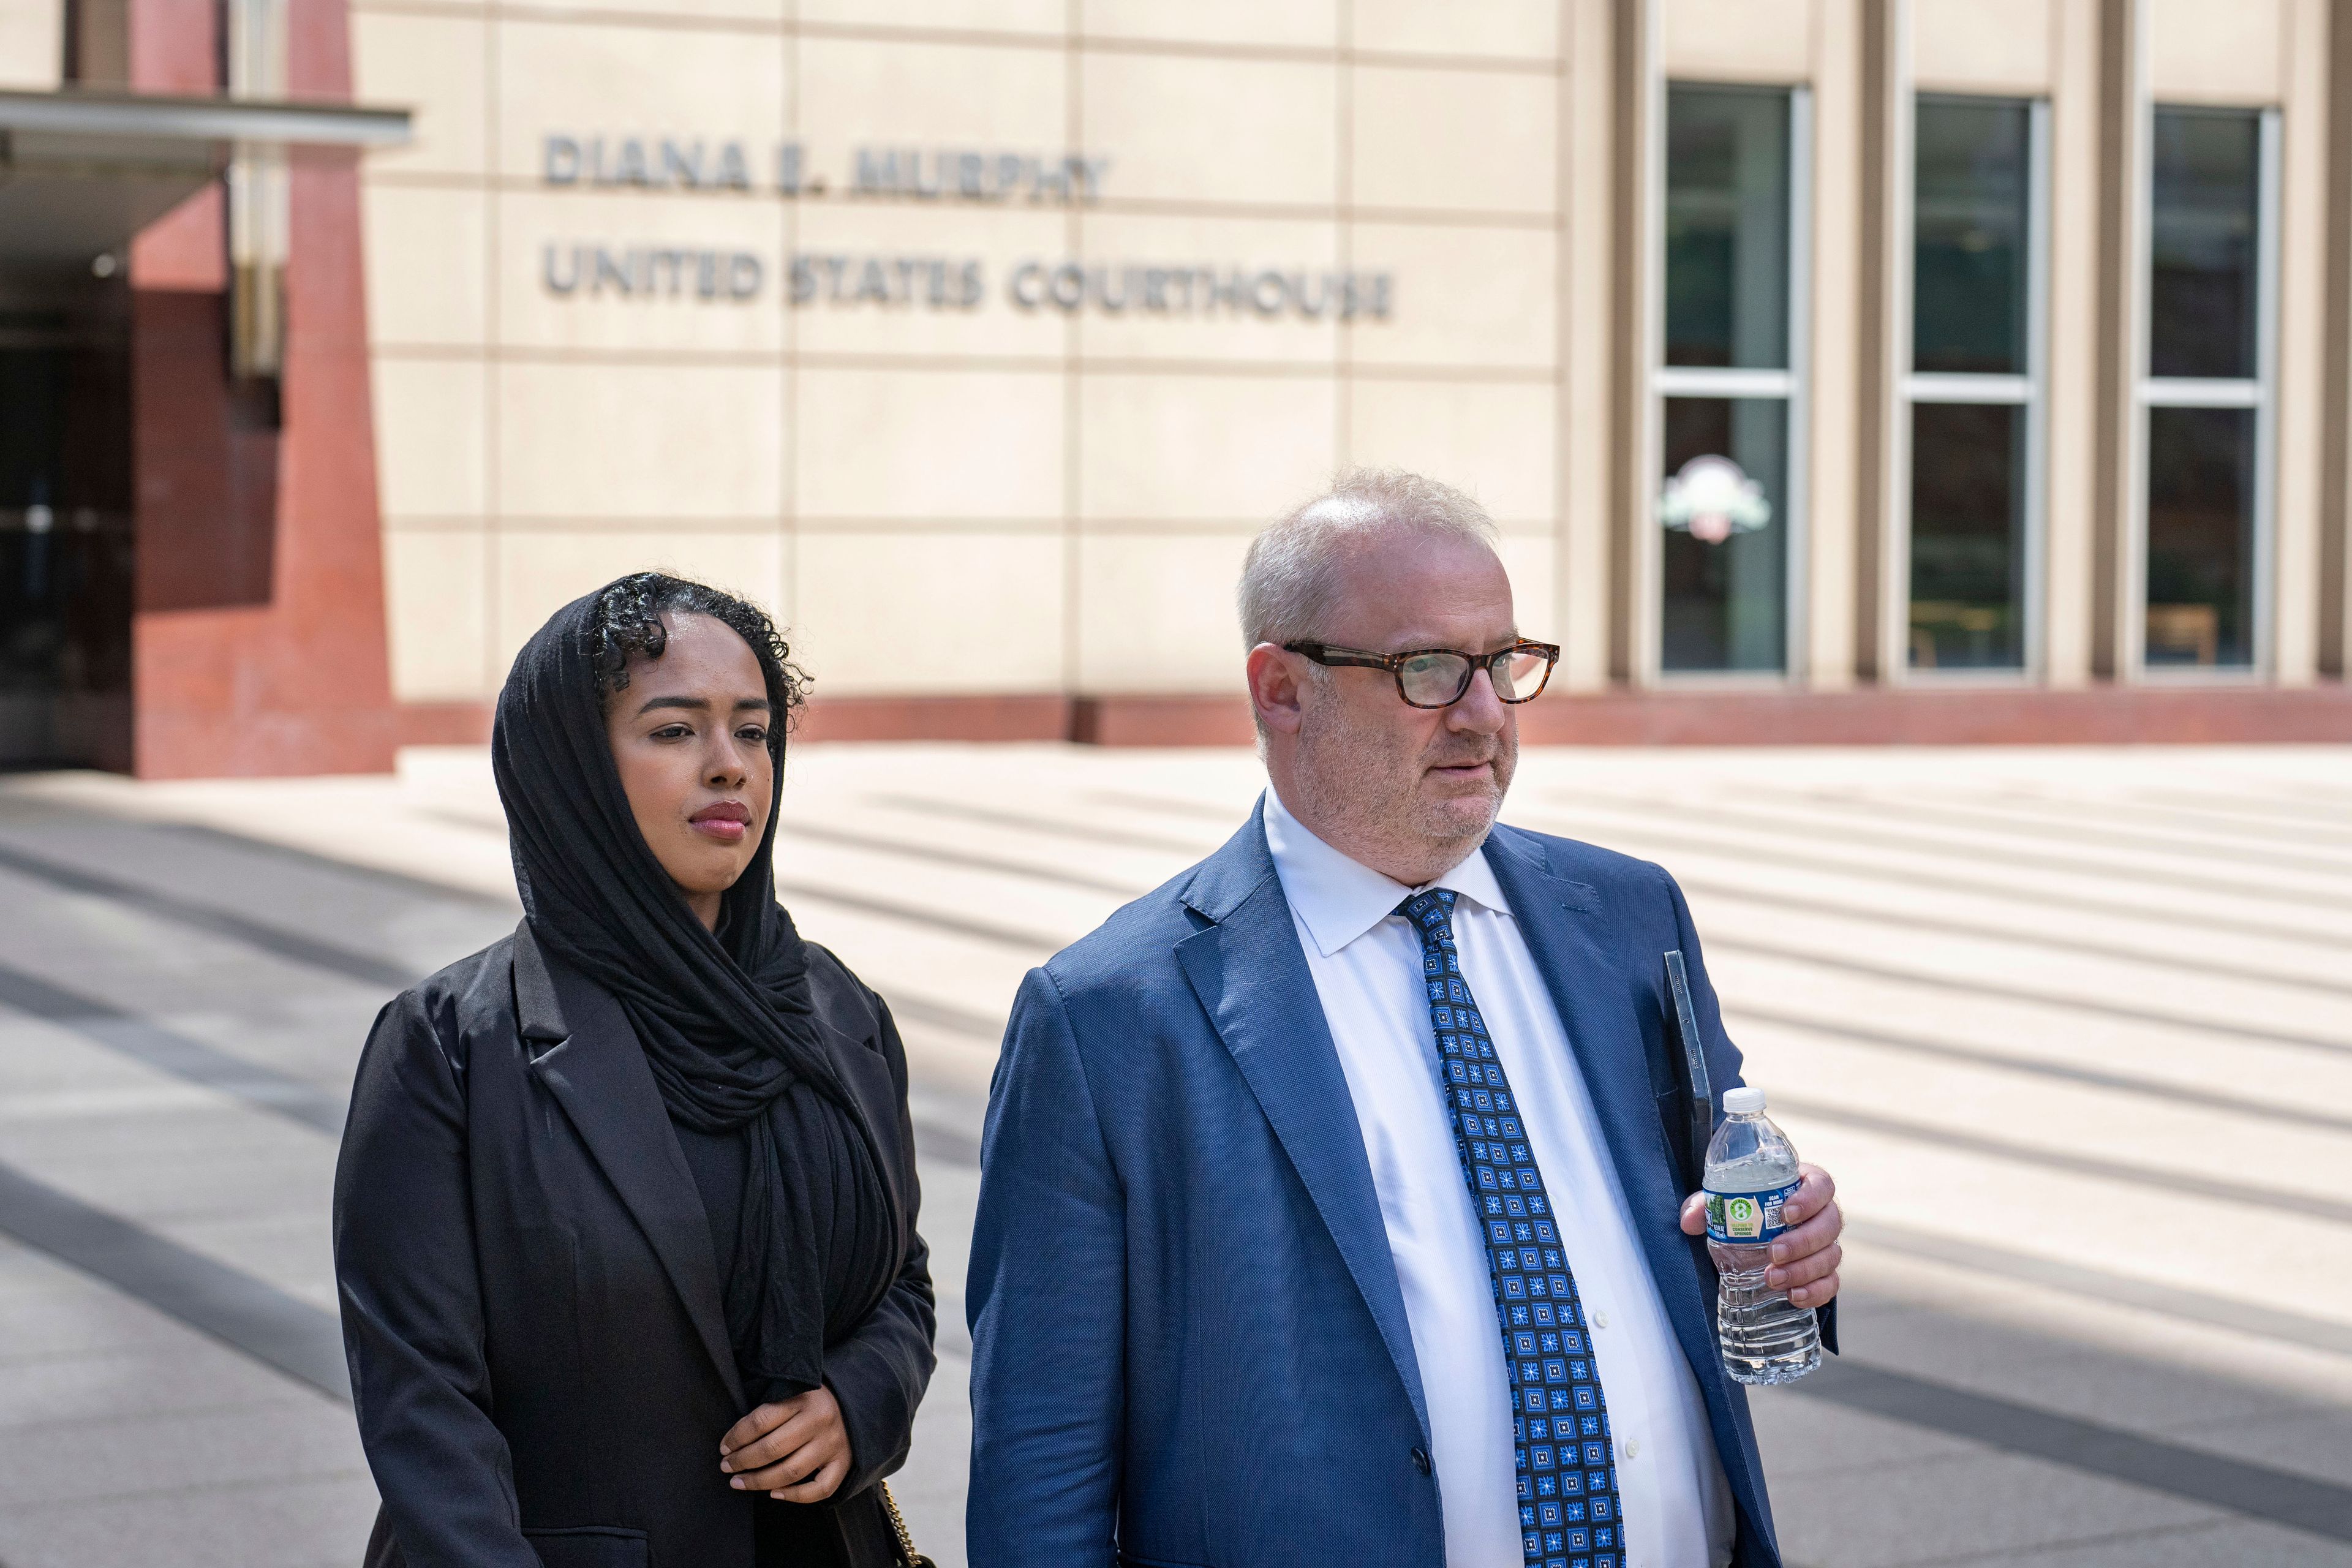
(797,1450)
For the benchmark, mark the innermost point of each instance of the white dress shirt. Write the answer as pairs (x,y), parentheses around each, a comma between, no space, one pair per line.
(1366,961)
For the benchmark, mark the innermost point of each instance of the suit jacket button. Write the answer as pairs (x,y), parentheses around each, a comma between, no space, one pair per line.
(1421,1460)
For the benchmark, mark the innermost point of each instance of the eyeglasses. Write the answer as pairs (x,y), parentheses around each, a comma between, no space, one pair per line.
(1440,677)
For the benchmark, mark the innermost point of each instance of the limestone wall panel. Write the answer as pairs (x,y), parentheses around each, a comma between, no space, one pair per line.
(923,444)
(1515,31)
(842,315)
(32,43)
(1981,46)
(2199,52)
(435,587)
(430,438)
(1494,440)
(427,268)
(928,613)
(1012,17)
(1304,251)
(925,96)
(1528,560)
(628,269)
(581,78)
(1156,613)
(1455,141)
(1486,297)
(773,12)
(667,441)
(1739,40)
(1203,448)
(1186,128)
(432,66)
(1313,25)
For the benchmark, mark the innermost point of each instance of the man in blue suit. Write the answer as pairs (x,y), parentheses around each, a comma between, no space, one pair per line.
(1331,1210)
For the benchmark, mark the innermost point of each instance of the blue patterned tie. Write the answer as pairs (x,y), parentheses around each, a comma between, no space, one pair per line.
(1559,1424)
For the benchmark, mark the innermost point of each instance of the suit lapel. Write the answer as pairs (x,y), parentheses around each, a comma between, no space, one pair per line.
(1251,975)
(589,1058)
(1602,1005)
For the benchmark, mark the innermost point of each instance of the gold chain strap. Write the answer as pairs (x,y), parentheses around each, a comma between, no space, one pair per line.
(906,1552)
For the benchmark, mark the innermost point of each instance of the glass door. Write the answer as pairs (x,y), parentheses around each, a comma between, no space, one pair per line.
(65,544)
(2207,392)
(1975,385)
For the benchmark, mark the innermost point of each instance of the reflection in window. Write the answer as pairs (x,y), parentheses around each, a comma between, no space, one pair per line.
(1726,228)
(2201,534)
(1967,535)
(1725,555)
(2202,243)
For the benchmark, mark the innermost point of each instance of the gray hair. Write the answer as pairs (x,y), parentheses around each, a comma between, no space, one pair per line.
(1292,572)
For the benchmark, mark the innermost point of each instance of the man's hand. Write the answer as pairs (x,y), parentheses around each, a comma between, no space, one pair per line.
(797,1450)
(1805,1255)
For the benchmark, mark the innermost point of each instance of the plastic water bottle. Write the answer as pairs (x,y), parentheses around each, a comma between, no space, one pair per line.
(1751,1171)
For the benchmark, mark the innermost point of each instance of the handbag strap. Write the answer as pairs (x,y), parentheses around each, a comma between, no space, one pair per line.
(908,1556)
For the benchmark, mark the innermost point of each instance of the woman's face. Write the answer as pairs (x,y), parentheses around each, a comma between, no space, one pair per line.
(689,735)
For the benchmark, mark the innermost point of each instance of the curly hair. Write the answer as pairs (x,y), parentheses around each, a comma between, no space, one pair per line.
(627,624)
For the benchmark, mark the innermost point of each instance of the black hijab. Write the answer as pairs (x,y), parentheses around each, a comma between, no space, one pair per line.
(726,1020)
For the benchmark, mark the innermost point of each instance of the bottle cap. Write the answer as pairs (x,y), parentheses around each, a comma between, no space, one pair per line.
(1742,1101)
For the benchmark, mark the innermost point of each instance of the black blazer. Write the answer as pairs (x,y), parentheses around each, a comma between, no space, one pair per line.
(531,1303)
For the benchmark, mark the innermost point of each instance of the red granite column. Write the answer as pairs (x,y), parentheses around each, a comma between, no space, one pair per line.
(257,639)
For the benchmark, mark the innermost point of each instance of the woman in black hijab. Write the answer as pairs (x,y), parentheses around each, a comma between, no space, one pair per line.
(624,1219)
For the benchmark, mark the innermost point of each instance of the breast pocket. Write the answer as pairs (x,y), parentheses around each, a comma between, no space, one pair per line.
(1674,1121)
(591,1546)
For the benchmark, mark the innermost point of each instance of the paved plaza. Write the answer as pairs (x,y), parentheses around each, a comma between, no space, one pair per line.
(2073,1028)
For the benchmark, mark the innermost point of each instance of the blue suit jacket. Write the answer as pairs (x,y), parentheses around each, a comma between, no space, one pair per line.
(1189,1347)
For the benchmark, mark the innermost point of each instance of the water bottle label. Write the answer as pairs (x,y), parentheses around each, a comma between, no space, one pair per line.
(1748,1216)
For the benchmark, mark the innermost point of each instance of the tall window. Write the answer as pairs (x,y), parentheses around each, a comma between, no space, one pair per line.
(2208,391)
(1730,383)
(1975,386)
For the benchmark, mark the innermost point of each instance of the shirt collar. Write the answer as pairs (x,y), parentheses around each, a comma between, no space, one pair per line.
(1338,899)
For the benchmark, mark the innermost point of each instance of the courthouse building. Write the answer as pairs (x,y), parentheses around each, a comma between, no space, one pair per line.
(1837,370)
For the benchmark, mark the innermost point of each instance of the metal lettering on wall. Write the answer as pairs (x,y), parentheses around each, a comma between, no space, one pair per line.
(1173,286)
